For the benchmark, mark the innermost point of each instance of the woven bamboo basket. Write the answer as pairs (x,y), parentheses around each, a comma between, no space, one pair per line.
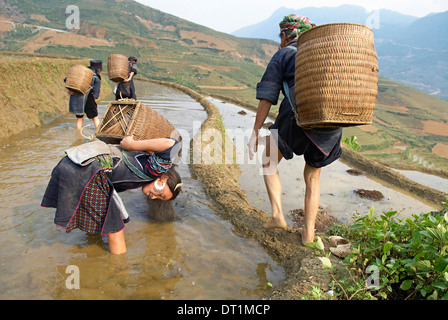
(127,117)
(336,76)
(79,78)
(117,67)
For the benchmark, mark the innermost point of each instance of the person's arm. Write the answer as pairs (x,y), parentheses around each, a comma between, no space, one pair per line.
(262,113)
(268,91)
(129,78)
(152,145)
(96,89)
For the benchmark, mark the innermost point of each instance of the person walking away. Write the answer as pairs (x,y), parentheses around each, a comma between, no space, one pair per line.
(319,146)
(86,104)
(126,88)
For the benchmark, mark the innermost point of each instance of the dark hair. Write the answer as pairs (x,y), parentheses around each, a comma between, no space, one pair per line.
(161,210)
(173,181)
(134,59)
(287,32)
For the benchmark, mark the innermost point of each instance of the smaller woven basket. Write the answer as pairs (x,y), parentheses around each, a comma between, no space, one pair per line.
(128,117)
(117,67)
(79,78)
(336,76)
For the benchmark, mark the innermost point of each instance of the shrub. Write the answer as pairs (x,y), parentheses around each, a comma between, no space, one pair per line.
(409,256)
(352,143)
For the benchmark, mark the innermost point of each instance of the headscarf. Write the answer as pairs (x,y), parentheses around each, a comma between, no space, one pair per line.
(296,24)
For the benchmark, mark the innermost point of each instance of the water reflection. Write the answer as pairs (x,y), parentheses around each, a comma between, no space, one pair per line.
(428,180)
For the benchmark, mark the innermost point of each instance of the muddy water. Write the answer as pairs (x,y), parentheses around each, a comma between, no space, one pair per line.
(429,180)
(337,186)
(197,257)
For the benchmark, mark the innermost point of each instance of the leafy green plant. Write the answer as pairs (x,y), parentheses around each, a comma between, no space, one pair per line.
(352,143)
(410,256)
(319,249)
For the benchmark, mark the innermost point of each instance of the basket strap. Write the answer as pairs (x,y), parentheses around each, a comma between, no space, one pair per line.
(293,106)
(134,168)
(286,88)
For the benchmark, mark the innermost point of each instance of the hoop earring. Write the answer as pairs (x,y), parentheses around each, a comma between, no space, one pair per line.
(157,188)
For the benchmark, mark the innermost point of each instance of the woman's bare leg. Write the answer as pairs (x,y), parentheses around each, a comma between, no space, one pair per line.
(96,122)
(312,198)
(117,244)
(79,123)
(273,184)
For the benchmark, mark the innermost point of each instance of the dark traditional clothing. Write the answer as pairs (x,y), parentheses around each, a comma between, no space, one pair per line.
(320,146)
(126,90)
(83,185)
(80,104)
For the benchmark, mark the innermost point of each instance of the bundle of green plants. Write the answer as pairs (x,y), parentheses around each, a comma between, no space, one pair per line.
(352,143)
(394,259)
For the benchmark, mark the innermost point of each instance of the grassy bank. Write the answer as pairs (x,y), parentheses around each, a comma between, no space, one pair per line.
(32,90)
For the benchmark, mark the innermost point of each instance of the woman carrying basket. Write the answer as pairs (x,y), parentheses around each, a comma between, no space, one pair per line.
(319,146)
(83,186)
(86,104)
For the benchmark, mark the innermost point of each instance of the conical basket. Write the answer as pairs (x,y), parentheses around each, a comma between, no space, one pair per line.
(336,76)
(117,67)
(128,117)
(79,78)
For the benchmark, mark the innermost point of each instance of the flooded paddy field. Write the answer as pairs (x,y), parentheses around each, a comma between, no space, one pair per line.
(198,256)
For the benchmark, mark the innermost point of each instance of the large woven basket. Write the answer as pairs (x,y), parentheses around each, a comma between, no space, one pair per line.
(79,78)
(117,67)
(127,117)
(336,76)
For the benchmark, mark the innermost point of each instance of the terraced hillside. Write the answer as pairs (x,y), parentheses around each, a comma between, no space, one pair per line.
(167,47)
(410,127)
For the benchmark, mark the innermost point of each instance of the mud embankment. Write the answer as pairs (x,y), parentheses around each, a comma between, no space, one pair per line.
(32,90)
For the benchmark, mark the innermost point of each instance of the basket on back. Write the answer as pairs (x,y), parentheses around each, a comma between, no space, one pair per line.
(127,117)
(117,67)
(79,78)
(336,76)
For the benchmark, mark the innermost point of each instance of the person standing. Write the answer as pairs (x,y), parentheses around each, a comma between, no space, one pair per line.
(319,146)
(80,104)
(126,89)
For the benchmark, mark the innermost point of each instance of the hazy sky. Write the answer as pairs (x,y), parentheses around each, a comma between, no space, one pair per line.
(231,15)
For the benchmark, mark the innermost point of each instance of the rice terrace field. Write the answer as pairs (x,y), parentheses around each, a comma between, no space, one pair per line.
(408,128)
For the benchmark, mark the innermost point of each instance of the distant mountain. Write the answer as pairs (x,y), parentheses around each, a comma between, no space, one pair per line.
(388,20)
(427,32)
(411,50)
